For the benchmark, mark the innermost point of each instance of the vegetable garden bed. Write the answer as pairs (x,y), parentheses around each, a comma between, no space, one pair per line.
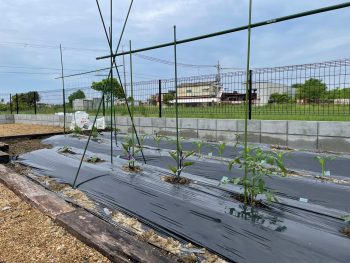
(306,224)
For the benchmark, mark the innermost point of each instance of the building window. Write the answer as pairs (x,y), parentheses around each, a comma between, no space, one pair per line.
(205,90)
(189,91)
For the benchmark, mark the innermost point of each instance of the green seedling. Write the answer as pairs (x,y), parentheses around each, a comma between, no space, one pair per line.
(157,139)
(66,149)
(199,146)
(94,133)
(130,154)
(347,218)
(322,160)
(180,158)
(256,162)
(142,141)
(77,130)
(94,159)
(221,148)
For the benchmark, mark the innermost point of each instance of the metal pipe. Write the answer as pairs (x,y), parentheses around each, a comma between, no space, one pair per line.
(247,105)
(176,105)
(17,103)
(160,98)
(120,81)
(112,60)
(236,29)
(11,103)
(63,93)
(132,105)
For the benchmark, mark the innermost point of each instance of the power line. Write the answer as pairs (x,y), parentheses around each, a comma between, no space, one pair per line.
(32,45)
(39,68)
(168,62)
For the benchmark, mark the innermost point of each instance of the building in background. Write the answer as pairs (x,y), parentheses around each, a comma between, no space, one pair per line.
(199,93)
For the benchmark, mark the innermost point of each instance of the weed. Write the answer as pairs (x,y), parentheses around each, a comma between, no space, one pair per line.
(322,160)
(256,161)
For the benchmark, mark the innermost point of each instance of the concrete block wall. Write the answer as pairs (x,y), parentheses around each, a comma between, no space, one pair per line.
(41,119)
(7,118)
(312,135)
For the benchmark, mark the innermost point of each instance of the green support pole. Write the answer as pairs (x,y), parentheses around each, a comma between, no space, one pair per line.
(112,61)
(237,29)
(132,106)
(247,101)
(63,93)
(176,105)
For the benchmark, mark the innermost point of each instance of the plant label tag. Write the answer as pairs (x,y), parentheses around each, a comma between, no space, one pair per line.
(210,154)
(327,173)
(304,200)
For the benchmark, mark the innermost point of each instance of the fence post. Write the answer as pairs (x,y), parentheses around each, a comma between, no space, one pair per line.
(10,103)
(103,105)
(35,102)
(17,103)
(160,98)
(250,93)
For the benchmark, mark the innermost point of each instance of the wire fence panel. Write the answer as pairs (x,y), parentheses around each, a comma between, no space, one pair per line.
(318,91)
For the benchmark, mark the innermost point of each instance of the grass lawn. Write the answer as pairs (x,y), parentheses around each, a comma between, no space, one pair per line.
(317,112)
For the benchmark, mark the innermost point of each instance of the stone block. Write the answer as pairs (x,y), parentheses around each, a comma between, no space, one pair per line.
(208,135)
(279,127)
(302,142)
(338,129)
(302,127)
(207,124)
(253,126)
(227,125)
(268,138)
(334,144)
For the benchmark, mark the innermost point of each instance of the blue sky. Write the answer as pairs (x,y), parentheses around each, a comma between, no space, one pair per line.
(31,31)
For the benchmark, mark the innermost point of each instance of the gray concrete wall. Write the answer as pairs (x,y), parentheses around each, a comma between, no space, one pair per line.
(7,118)
(41,119)
(312,135)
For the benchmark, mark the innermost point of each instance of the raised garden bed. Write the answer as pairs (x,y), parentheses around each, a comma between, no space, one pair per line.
(305,225)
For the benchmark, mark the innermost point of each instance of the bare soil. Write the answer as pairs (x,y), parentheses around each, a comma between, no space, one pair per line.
(27,235)
(25,129)
(24,145)
(346,231)
(176,180)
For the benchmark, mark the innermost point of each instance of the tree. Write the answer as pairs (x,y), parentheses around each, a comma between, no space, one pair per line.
(168,97)
(105,86)
(312,90)
(28,98)
(79,94)
(279,98)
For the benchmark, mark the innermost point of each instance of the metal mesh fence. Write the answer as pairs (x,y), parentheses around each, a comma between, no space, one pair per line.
(309,91)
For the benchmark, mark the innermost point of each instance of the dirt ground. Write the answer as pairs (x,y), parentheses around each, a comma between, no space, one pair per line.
(27,235)
(22,129)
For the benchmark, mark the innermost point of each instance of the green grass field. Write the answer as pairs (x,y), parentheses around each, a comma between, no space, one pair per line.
(269,112)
